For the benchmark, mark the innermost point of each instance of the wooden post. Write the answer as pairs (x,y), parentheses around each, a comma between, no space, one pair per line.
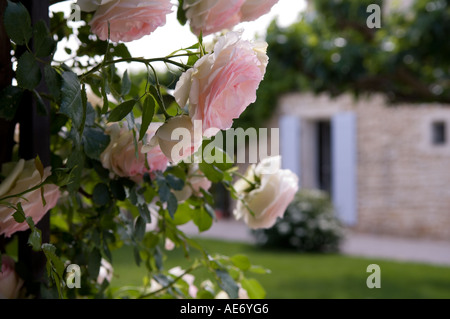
(6,75)
(35,140)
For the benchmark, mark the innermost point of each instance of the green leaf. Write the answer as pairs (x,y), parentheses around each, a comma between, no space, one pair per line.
(201,219)
(225,161)
(71,99)
(100,195)
(210,211)
(50,253)
(227,283)
(39,166)
(172,205)
(137,256)
(259,270)
(95,142)
(145,212)
(183,214)
(35,239)
(175,182)
(211,172)
(94,262)
(163,189)
(191,61)
(121,50)
(28,73)
(148,111)
(44,45)
(84,104)
(76,163)
(139,228)
(107,251)
(181,14)
(30,222)
(19,215)
(17,23)
(241,261)
(121,111)
(105,91)
(10,98)
(254,289)
(60,176)
(158,258)
(154,92)
(117,190)
(126,84)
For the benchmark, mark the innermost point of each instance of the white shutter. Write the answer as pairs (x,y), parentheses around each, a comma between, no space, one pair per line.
(344,177)
(290,143)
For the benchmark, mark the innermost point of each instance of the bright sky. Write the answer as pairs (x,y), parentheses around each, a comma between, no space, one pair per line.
(173,36)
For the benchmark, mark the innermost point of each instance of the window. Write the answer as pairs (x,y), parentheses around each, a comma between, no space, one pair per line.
(439,134)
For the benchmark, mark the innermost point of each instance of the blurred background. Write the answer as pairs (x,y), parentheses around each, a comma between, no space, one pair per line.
(362,100)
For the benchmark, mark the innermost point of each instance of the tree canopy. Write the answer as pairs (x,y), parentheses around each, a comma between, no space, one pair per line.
(331,49)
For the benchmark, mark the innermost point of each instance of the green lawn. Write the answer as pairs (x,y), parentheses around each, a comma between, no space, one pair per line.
(296,275)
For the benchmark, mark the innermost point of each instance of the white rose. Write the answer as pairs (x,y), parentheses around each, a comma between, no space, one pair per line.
(106,272)
(188,278)
(270,198)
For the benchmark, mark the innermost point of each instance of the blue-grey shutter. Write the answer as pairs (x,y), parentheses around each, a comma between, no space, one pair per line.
(290,143)
(344,177)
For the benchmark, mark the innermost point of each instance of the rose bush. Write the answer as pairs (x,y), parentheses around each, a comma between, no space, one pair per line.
(125,165)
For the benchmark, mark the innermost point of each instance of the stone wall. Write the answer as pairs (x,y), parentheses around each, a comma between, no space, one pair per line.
(403,179)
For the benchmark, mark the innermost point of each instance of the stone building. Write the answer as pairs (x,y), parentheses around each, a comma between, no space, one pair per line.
(387,168)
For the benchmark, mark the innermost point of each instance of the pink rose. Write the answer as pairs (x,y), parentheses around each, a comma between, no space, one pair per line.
(178,139)
(168,244)
(222,84)
(253,9)
(195,181)
(128,19)
(120,155)
(21,176)
(10,282)
(268,198)
(209,16)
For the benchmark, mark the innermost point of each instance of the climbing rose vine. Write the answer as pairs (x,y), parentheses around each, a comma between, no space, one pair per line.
(126,165)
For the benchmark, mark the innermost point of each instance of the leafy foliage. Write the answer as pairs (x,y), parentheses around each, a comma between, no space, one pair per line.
(332,50)
(101,210)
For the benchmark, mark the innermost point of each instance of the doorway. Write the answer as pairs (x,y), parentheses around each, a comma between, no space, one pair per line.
(324,157)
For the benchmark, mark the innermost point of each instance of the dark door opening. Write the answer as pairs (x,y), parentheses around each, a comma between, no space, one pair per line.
(324,165)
